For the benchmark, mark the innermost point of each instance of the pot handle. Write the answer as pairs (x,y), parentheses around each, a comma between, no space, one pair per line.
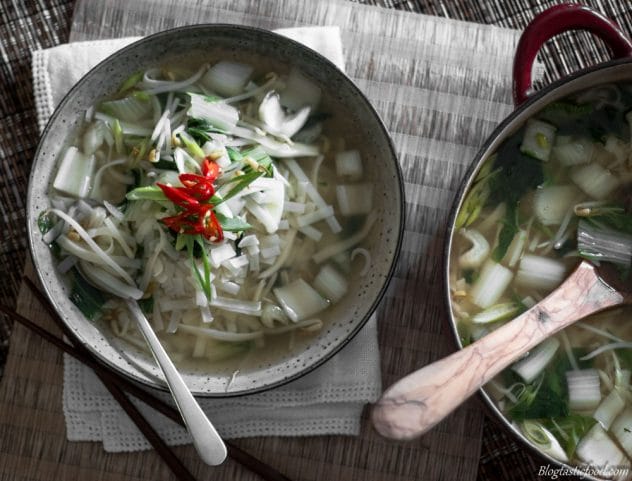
(555,20)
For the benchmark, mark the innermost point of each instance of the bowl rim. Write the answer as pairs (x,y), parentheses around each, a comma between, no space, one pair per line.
(504,130)
(35,236)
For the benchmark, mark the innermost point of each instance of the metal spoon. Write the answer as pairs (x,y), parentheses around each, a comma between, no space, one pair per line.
(206,440)
(414,404)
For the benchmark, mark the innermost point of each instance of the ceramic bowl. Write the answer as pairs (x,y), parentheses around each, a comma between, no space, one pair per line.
(250,45)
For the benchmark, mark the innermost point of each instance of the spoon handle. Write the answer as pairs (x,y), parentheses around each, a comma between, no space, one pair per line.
(206,440)
(420,400)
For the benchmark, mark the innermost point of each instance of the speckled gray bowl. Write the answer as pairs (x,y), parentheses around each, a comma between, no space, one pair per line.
(251,45)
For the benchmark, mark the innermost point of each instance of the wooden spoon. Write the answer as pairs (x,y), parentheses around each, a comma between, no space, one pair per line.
(414,404)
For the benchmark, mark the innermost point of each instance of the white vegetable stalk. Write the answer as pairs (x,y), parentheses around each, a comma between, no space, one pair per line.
(222,116)
(299,300)
(354,199)
(597,449)
(300,91)
(575,152)
(552,203)
(276,121)
(349,164)
(584,392)
(228,78)
(622,430)
(491,284)
(538,358)
(540,272)
(609,409)
(74,176)
(595,180)
(479,251)
(330,283)
(543,439)
(538,139)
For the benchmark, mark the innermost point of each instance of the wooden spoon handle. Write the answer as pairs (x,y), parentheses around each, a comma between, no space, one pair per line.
(420,400)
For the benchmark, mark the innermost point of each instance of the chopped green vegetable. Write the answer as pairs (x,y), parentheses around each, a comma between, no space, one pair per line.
(507,233)
(45,222)
(232,224)
(477,196)
(234,154)
(148,192)
(130,82)
(569,430)
(88,299)
(146,304)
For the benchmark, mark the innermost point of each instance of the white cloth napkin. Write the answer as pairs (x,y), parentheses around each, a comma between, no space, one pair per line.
(329,400)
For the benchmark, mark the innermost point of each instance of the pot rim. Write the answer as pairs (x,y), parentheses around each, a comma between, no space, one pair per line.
(505,129)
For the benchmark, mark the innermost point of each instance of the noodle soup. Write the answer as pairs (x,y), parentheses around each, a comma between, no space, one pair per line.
(556,191)
(229,200)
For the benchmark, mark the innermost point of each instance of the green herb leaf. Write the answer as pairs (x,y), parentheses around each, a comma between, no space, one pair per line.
(232,224)
(507,233)
(130,82)
(88,299)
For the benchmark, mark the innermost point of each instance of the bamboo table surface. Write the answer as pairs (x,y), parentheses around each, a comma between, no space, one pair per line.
(32,431)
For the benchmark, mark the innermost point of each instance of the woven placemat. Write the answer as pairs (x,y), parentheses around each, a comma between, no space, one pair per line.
(34,24)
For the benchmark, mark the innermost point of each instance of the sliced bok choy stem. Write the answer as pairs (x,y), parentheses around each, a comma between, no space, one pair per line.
(355,199)
(228,78)
(349,164)
(276,121)
(609,409)
(595,180)
(330,283)
(222,116)
(299,300)
(74,176)
(540,272)
(538,139)
(552,203)
(491,284)
(479,251)
(584,390)
(621,429)
(597,449)
(516,248)
(574,152)
(538,358)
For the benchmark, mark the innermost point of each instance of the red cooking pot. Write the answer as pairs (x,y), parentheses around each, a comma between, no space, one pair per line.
(401,415)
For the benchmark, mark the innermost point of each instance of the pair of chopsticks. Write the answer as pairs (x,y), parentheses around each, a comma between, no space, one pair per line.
(118,386)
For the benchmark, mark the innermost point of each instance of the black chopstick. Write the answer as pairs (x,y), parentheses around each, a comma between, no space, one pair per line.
(265,471)
(174,463)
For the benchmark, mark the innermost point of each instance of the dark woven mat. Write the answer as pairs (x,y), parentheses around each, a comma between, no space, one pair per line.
(27,25)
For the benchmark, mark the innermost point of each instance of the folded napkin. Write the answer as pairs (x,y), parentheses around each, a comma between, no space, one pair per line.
(328,400)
